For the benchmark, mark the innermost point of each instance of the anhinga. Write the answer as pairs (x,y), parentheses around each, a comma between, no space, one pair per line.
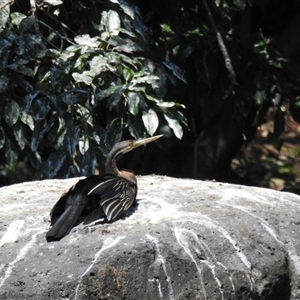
(97,196)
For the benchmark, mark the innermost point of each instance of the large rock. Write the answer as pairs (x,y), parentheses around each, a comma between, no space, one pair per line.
(186,239)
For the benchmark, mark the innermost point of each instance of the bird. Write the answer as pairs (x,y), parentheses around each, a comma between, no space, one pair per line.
(105,196)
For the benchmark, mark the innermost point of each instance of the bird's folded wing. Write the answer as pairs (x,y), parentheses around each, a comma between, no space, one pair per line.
(116,196)
(94,215)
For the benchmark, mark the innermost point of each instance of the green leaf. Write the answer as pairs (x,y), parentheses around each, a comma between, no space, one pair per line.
(125,45)
(11,112)
(36,136)
(112,135)
(4,14)
(133,100)
(83,144)
(16,18)
(4,80)
(111,22)
(136,130)
(86,40)
(51,166)
(259,97)
(11,154)
(150,120)
(27,119)
(2,137)
(98,64)
(240,4)
(26,23)
(166,28)
(175,126)
(71,139)
(19,135)
(86,77)
(21,69)
(27,100)
(54,2)
(176,71)
(88,163)
(40,108)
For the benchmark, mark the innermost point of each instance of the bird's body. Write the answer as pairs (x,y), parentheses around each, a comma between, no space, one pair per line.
(98,196)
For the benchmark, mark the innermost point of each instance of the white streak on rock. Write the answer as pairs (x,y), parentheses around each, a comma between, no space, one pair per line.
(210,256)
(12,233)
(263,223)
(161,260)
(107,244)
(20,256)
(185,244)
(183,234)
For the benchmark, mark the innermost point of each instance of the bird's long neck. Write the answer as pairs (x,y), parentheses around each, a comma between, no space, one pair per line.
(111,166)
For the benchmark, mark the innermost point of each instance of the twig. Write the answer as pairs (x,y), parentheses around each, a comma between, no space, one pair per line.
(7,3)
(56,32)
(55,20)
(222,46)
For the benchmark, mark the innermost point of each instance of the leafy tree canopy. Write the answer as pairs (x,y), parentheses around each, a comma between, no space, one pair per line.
(79,76)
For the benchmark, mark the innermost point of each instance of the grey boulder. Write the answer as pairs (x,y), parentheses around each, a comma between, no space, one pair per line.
(186,239)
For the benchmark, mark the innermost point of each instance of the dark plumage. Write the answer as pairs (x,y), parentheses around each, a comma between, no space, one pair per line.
(98,196)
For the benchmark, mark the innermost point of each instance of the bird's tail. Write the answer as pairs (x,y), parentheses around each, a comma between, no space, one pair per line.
(65,223)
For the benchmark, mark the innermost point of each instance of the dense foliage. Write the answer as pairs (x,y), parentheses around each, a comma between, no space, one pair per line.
(68,99)
(78,76)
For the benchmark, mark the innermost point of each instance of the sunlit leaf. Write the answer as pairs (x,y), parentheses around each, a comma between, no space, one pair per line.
(166,28)
(11,112)
(54,2)
(27,119)
(98,64)
(85,76)
(124,45)
(175,125)
(19,135)
(111,21)
(150,120)
(133,100)
(85,39)
(16,18)
(36,136)
(4,13)
(83,144)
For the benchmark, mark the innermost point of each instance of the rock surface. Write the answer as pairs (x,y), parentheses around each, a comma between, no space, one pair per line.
(186,239)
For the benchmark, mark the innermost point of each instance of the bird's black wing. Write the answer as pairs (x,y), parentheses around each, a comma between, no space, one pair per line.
(67,210)
(116,196)
(65,222)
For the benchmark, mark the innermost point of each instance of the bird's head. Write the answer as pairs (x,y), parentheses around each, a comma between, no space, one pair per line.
(124,147)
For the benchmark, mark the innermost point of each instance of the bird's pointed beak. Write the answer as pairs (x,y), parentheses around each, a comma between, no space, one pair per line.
(139,143)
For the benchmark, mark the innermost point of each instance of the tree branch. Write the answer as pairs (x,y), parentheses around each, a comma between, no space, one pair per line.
(222,46)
